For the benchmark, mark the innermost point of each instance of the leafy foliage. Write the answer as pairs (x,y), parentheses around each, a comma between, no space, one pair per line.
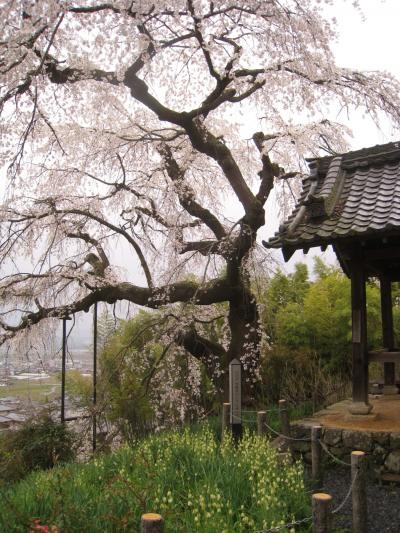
(308,323)
(40,443)
(316,315)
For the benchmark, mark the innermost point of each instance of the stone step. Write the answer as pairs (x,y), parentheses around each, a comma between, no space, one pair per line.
(389,478)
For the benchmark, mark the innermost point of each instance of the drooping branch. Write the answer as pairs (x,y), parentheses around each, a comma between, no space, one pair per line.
(87,214)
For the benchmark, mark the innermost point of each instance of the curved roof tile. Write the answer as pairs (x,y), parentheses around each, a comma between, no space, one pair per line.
(357,194)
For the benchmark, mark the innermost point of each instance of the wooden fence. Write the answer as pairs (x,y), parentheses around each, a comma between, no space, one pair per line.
(323,510)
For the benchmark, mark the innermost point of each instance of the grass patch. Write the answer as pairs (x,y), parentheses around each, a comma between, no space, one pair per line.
(40,390)
(188,477)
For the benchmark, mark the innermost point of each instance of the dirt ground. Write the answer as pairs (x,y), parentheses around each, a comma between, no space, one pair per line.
(385,415)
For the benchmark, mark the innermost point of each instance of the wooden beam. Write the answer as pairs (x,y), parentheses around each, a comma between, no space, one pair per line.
(384,356)
(392,252)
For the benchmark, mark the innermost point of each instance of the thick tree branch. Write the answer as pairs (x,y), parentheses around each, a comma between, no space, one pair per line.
(186,194)
(208,352)
(268,172)
(205,247)
(202,294)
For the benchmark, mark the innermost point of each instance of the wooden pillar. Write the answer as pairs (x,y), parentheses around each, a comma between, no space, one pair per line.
(359,338)
(387,333)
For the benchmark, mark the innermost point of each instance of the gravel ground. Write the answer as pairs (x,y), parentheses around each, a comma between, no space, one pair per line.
(383,502)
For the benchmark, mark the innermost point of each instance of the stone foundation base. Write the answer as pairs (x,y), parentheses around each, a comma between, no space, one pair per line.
(360,418)
(360,408)
(382,448)
(390,389)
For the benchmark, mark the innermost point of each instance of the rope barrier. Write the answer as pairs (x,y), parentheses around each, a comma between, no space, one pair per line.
(247,420)
(347,495)
(305,439)
(326,450)
(273,410)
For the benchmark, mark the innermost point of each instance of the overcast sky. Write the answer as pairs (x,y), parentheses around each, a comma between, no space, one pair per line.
(367,42)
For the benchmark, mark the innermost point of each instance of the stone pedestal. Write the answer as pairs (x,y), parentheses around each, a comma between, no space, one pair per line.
(360,408)
(390,389)
(360,418)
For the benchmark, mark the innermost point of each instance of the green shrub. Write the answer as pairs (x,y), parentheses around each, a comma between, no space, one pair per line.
(40,443)
(300,377)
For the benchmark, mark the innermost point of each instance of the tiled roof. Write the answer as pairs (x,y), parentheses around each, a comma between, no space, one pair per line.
(352,195)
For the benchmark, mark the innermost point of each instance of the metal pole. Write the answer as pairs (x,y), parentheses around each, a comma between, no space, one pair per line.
(94,375)
(64,356)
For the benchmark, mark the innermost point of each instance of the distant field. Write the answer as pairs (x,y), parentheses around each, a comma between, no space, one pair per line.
(38,390)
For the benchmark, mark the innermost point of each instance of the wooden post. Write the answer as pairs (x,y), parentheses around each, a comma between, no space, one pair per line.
(226,413)
(387,333)
(285,424)
(359,493)
(261,421)
(316,456)
(235,398)
(151,523)
(321,512)
(360,404)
